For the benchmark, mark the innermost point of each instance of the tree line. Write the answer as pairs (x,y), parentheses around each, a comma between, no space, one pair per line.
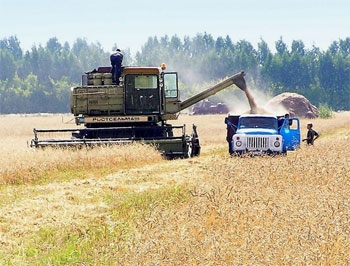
(39,80)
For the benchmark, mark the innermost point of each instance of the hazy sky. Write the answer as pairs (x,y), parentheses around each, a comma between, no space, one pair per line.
(129,23)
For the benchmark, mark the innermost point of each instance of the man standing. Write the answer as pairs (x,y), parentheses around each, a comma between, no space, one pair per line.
(288,122)
(312,135)
(116,62)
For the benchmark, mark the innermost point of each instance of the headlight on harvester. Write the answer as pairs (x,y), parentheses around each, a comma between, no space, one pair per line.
(238,143)
(276,143)
(79,120)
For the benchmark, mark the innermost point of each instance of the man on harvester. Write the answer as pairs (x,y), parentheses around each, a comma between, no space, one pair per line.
(116,62)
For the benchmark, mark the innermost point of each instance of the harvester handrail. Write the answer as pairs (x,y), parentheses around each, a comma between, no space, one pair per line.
(90,93)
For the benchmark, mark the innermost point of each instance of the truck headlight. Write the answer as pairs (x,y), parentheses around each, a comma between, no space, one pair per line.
(238,143)
(276,144)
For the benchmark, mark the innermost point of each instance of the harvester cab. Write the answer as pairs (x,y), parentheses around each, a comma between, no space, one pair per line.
(137,109)
(140,98)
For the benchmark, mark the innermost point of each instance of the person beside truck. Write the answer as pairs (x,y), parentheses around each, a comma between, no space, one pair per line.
(312,135)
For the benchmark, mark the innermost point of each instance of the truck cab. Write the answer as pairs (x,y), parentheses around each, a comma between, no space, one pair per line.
(262,134)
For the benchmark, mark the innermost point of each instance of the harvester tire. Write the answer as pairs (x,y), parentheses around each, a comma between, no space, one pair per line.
(196,148)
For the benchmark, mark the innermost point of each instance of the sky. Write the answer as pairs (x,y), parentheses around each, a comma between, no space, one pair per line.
(129,24)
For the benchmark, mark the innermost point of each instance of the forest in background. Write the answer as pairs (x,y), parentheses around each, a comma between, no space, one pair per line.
(39,80)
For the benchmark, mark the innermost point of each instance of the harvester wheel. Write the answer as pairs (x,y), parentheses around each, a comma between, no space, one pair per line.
(193,147)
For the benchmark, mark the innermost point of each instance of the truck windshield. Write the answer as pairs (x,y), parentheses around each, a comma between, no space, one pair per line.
(258,122)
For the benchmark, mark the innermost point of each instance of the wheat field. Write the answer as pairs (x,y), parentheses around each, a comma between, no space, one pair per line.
(126,205)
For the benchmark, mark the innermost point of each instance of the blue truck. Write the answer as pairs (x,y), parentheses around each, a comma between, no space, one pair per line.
(262,134)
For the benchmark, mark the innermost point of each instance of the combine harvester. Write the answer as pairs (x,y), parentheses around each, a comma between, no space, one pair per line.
(206,107)
(137,109)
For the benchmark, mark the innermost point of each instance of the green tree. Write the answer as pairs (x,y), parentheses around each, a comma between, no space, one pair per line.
(13,46)
(281,47)
(8,65)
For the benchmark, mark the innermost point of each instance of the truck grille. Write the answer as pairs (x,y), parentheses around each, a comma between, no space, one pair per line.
(257,143)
